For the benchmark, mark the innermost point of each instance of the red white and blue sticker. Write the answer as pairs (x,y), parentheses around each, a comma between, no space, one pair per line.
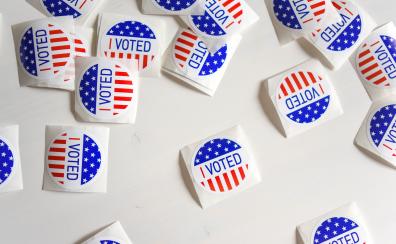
(75,8)
(382,131)
(341,35)
(220,165)
(106,90)
(174,5)
(221,18)
(74,159)
(303,96)
(7,161)
(339,230)
(132,41)
(192,57)
(45,50)
(376,60)
(299,14)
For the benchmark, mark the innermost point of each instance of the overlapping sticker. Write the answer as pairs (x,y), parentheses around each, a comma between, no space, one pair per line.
(45,50)
(7,162)
(81,49)
(132,41)
(221,17)
(381,129)
(376,60)
(339,230)
(75,8)
(74,159)
(300,14)
(303,96)
(220,165)
(341,35)
(106,90)
(192,57)
(174,5)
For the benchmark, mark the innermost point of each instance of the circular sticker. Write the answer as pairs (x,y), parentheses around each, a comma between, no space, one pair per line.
(192,57)
(106,240)
(376,60)
(75,8)
(382,131)
(303,96)
(298,15)
(339,230)
(45,50)
(74,159)
(173,5)
(220,18)
(6,161)
(131,41)
(220,165)
(341,35)
(106,90)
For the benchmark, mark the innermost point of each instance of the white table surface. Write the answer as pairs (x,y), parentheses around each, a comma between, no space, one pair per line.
(149,191)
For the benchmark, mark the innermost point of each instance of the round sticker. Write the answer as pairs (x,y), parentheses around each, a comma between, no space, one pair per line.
(106,240)
(132,41)
(381,131)
(74,159)
(298,15)
(220,18)
(343,34)
(339,230)
(106,90)
(303,96)
(192,57)
(376,60)
(45,50)
(220,165)
(75,8)
(6,161)
(173,5)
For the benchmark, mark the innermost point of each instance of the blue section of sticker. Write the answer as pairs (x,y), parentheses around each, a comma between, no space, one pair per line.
(91,160)
(175,5)
(284,13)
(348,37)
(390,44)
(311,112)
(336,229)
(27,53)
(109,242)
(131,29)
(214,149)
(207,25)
(379,125)
(214,61)
(62,8)
(87,89)
(6,161)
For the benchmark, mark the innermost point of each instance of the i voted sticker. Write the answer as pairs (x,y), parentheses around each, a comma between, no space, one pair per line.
(106,90)
(339,230)
(376,60)
(6,161)
(220,165)
(343,34)
(303,96)
(192,57)
(132,41)
(299,14)
(221,17)
(75,8)
(74,159)
(174,5)
(382,131)
(45,50)
(106,240)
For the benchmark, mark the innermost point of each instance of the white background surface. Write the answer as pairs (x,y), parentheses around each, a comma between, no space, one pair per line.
(148,190)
